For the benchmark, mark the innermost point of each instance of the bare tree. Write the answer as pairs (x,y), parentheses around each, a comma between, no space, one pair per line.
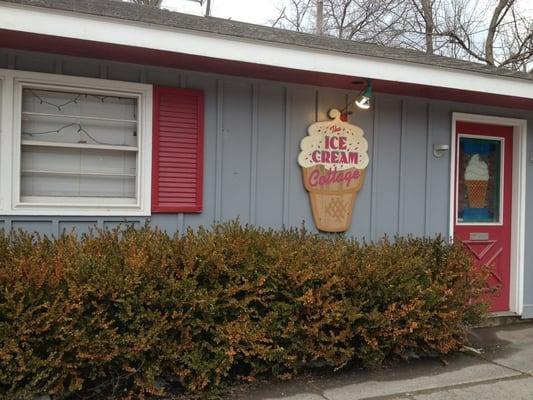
(509,40)
(363,20)
(296,15)
(493,32)
(320,17)
(423,18)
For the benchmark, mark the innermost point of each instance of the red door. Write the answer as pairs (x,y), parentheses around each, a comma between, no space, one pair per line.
(483,200)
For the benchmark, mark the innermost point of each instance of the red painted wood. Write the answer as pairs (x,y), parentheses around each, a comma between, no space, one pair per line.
(138,55)
(178,143)
(496,251)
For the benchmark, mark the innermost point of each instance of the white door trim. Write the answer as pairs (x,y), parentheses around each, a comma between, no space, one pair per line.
(516,300)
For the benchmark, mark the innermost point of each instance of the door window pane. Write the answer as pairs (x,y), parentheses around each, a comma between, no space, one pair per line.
(479,180)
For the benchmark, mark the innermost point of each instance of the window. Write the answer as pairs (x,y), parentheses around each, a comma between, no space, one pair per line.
(479,180)
(77,146)
(80,146)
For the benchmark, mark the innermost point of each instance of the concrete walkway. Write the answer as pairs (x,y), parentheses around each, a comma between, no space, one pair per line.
(503,370)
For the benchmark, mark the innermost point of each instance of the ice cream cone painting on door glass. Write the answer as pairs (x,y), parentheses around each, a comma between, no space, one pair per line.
(333,158)
(479,180)
(476,181)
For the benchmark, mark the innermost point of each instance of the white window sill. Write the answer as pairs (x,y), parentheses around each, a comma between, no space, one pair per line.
(77,211)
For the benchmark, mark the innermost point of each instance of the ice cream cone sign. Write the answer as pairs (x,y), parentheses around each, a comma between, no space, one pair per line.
(333,157)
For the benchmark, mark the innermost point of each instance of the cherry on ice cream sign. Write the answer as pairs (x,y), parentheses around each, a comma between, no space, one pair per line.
(333,158)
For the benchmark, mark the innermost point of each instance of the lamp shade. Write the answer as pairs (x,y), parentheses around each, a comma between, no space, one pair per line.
(363,101)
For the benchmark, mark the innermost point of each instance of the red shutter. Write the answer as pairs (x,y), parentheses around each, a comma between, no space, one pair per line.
(178,136)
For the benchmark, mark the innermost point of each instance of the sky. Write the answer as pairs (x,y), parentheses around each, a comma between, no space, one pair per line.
(254,11)
(258,11)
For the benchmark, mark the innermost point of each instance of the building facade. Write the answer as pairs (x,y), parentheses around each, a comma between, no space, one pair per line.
(100,129)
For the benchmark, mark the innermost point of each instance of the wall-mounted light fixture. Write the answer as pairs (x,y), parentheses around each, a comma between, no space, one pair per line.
(363,100)
(440,149)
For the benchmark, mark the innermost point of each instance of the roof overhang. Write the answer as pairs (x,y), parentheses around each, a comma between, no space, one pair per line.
(70,33)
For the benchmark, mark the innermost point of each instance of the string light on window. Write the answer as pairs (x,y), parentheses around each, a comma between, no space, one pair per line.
(74,100)
(58,131)
(42,100)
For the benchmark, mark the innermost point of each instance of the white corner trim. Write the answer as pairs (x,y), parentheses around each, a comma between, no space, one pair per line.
(12,82)
(130,33)
(6,129)
(516,300)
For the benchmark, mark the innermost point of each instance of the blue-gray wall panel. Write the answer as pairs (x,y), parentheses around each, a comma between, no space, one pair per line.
(301,113)
(270,155)
(43,63)
(236,149)
(209,85)
(43,227)
(166,222)
(327,99)
(362,216)
(3,60)
(386,165)
(438,184)
(81,68)
(79,227)
(113,224)
(163,77)
(414,156)
(124,72)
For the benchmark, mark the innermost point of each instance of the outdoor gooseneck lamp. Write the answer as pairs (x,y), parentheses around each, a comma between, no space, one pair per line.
(363,100)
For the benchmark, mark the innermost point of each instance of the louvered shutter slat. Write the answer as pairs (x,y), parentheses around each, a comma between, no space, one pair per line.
(177,176)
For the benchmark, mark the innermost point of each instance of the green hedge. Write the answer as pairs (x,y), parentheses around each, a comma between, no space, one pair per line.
(138,312)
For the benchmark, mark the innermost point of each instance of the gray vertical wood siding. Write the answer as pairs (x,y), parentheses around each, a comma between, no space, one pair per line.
(252,133)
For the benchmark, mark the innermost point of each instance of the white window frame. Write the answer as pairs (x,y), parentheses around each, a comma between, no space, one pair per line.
(12,82)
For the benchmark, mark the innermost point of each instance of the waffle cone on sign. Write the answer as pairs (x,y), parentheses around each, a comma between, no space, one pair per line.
(332,203)
(477,192)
